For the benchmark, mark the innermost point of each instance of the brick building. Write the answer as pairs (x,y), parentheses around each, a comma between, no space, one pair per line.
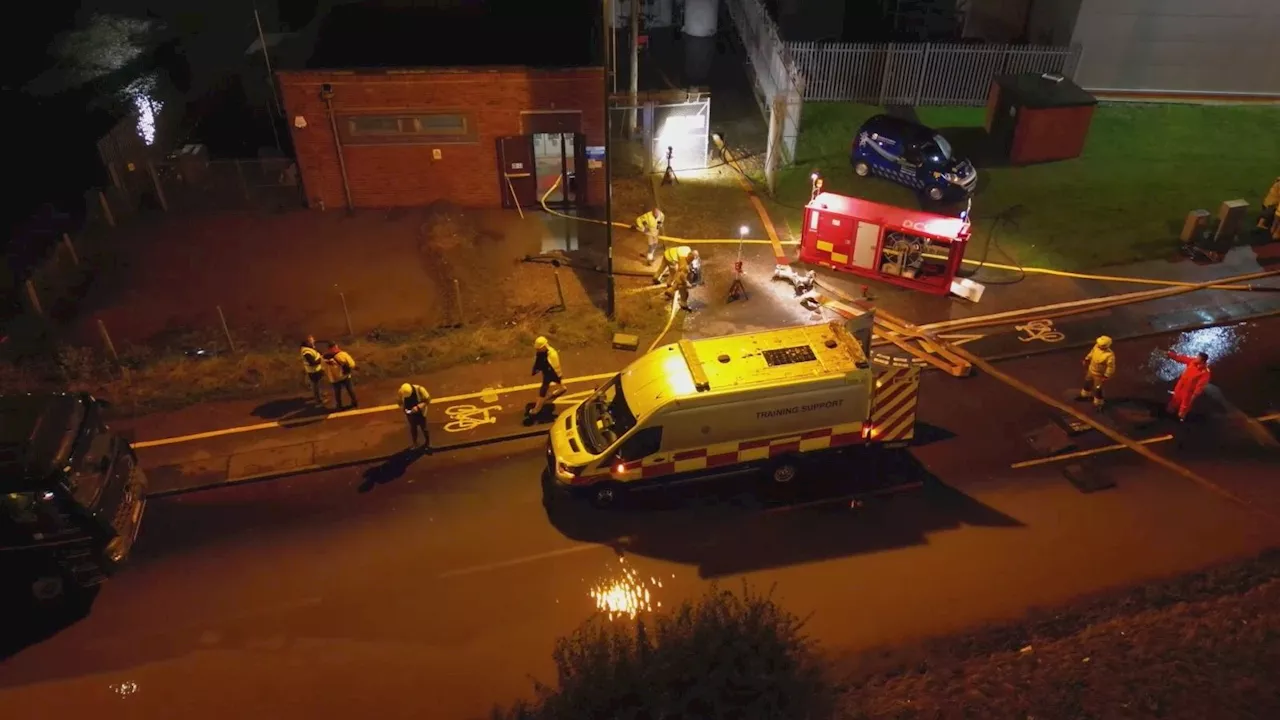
(413,121)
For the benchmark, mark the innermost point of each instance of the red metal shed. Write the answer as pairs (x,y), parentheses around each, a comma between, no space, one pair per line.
(1036,118)
(910,248)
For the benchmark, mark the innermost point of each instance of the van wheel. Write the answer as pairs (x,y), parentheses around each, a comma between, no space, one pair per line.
(784,472)
(606,495)
(861,169)
(935,193)
(48,588)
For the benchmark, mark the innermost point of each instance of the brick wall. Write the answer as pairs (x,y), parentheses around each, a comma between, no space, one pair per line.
(407,174)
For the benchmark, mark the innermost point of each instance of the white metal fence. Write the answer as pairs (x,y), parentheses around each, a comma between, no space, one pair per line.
(918,73)
(773,73)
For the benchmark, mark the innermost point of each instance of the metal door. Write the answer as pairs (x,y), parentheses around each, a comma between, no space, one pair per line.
(837,230)
(516,171)
(866,245)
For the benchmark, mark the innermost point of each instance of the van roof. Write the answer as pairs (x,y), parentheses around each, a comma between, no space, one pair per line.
(736,362)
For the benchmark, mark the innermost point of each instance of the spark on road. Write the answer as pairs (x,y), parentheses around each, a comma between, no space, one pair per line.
(625,594)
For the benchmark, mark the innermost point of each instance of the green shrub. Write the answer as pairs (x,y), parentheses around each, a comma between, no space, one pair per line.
(724,655)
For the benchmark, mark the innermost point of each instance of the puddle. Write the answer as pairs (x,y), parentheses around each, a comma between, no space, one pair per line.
(1216,342)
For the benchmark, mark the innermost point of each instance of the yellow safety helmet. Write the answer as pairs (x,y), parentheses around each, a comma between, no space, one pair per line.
(541,343)
(1103,342)
(406,390)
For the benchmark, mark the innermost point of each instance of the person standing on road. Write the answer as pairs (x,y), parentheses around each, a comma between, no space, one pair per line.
(1099,366)
(1190,384)
(414,399)
(650,224)
(546,361)
(338,365)
(313,366)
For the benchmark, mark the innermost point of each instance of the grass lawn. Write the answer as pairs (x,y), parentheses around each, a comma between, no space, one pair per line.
(1143,169)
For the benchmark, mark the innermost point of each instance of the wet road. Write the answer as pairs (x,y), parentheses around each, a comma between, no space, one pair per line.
(436,589)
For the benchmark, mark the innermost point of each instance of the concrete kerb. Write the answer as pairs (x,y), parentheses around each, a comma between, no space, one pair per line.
(340,464)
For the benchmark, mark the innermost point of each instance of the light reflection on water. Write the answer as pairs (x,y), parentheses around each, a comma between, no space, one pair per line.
(1216,342)
(141,93)
(625,593)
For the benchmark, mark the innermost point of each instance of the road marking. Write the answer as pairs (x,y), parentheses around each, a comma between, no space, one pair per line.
(469,417)
(519,561)
(482,394)
(1112,448)
(1040,330)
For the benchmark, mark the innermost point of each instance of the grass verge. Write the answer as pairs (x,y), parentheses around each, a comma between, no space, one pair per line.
(1205,645)
(1144,167)
(161,379)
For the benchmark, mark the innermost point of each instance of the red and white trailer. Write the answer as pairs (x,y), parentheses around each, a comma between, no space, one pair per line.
(910,248)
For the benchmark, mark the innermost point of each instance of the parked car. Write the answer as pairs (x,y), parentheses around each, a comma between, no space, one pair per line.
(911,155)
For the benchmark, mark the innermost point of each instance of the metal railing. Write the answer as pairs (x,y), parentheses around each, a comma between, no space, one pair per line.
(773,72)
(918,73)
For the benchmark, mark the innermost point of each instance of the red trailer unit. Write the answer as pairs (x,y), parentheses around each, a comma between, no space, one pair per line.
(913,249)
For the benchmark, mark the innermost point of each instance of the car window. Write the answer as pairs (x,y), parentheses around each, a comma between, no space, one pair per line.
(642,444)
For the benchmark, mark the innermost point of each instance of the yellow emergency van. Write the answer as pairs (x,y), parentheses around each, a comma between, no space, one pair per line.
(762,400)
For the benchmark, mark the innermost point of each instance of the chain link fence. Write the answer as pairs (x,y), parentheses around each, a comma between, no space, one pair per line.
(197,184)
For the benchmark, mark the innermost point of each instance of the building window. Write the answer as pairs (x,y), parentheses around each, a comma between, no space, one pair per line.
(408,128)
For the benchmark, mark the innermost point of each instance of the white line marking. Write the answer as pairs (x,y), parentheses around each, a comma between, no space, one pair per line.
(352,413)
(520,561)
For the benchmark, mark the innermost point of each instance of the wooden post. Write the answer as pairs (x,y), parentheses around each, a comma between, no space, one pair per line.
(555,271)
(226,331)
(106,340)
(71,249)
(457,295)
(773,155)
(155,182)
(346,314)
(106,209)
(33,298)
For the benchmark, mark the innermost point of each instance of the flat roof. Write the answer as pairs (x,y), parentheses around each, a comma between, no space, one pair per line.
(468,34)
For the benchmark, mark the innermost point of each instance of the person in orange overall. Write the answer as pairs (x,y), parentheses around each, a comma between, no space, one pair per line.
(1190,384)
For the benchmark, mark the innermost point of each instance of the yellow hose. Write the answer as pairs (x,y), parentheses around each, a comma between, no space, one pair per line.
(667,328)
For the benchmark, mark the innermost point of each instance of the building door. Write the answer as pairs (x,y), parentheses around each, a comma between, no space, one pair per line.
(516,171)
(554,159)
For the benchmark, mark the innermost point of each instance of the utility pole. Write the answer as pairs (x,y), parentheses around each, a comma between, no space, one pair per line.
(271,80)
(635,67)
(607,25)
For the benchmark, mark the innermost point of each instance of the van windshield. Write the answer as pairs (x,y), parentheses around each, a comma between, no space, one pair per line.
(943,146)
(605,417)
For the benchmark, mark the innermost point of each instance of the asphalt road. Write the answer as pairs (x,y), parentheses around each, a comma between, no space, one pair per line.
(435,589)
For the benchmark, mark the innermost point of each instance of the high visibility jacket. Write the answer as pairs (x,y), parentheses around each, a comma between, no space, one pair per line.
(312,360)
(650,222)
(1102,363)
(548,360)
(678,256)
(338,366)
(1273,195)
(417,400)
(1192,381)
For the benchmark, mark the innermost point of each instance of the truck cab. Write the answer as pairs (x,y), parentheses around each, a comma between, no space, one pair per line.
(72,494)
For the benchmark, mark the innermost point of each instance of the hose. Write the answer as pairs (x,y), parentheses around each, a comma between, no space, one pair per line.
(670,319)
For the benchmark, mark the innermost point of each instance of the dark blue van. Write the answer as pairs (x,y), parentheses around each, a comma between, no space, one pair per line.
(912,155)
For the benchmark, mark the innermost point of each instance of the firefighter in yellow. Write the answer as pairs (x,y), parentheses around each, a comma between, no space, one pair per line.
(414,400)
(1099,366)
(1270,219)
(674,257)
(679,286)
(650,224)
(312,366)
(546,361)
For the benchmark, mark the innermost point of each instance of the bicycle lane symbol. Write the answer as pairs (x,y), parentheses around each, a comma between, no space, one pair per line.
(1040,330)
(469,417)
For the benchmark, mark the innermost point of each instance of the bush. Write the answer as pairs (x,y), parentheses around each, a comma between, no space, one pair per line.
(722,655)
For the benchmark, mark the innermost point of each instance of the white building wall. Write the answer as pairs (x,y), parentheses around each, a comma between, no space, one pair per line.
(1180,45)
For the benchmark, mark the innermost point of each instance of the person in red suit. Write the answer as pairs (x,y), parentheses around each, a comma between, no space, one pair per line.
(1190,384)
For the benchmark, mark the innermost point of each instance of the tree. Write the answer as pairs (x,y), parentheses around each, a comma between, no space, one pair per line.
(722,655)
(101,45)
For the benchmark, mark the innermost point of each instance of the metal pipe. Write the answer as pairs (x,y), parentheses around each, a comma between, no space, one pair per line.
(608,189)
(327,96)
